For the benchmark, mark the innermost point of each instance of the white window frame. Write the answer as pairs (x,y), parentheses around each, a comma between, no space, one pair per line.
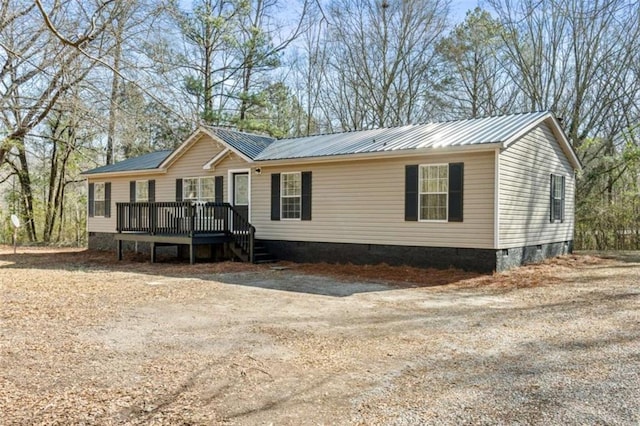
(421,169)
(97,185)
(558,182)
(282,196)
(199,196)
(144,199)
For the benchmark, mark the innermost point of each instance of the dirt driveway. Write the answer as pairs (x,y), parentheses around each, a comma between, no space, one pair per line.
(85,340)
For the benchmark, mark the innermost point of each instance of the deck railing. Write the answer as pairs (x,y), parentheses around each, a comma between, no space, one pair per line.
(187,218)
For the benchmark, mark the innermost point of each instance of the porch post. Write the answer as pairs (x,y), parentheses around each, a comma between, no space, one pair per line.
(119,249)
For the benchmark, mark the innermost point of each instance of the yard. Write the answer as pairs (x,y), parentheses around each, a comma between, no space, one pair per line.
(87,340)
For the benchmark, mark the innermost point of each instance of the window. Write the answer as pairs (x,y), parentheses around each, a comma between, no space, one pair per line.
(142,191)
(557,198)
(190,189)
(207,189)
(198,189)
(241,189)
(99,199)
(291,195)
(433,192)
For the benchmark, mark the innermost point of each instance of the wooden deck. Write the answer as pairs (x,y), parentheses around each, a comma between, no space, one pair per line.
(185,223)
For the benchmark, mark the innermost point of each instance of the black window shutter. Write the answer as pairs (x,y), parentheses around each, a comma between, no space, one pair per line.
(178,190)
(275,196)
(456,186)
(551,200)
(91,199)
(219,184)
(306,196)
(152,191)
(107,199)
(132,191)
(411,193)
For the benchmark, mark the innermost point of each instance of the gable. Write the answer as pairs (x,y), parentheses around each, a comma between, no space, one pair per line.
(553,134)
(193,159)
(538,147)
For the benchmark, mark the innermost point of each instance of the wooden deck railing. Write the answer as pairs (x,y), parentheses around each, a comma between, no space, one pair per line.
(187,218)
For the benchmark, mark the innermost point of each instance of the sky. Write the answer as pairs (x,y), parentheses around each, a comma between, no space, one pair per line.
(459,8)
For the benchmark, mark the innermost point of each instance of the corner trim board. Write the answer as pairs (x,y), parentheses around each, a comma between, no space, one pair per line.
(496,200)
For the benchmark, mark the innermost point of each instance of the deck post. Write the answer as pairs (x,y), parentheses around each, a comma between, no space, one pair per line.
(153,252)
(119,249)
(192,220)
(153,218)
(192,254)
(252,236)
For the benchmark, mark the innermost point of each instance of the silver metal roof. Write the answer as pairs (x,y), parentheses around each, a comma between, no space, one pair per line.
(249,144)
(143,162)
(431,135)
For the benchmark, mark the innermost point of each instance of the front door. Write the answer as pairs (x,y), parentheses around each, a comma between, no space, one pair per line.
(240,194)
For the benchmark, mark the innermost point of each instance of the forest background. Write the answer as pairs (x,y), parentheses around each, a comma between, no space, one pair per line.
(85,83)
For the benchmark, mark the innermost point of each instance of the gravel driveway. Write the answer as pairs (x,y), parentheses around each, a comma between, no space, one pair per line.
(84,340)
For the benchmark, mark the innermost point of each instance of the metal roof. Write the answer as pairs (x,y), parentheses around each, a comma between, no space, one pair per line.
(430,135)
(249,144)
(143,162)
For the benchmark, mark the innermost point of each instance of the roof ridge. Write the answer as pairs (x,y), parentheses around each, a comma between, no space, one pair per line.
(217,128)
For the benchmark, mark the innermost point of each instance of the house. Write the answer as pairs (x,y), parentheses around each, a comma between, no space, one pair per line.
(481,194)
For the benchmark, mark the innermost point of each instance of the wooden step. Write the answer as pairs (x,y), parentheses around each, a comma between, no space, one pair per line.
(263,257)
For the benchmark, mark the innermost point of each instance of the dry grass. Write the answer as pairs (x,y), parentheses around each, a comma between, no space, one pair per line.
(400,276)
(544,273)
(85,339)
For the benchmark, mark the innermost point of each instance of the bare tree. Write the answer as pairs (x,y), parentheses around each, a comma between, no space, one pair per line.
(477,82)
(383,60)
(37,70)
(579,59)
(574,57)
(262,39)
(46,53)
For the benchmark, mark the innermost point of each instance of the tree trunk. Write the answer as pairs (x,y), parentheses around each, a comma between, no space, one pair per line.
(115,90)
(26,200)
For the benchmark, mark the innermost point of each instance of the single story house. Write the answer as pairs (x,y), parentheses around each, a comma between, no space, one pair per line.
(481,194)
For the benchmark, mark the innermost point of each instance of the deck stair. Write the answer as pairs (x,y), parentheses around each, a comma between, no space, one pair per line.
(261,254)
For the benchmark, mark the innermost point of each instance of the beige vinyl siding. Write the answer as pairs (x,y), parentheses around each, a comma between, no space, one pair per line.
(119,194)
(188,165)
(231,162)
(524,203)
(363,202)
(353,201)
